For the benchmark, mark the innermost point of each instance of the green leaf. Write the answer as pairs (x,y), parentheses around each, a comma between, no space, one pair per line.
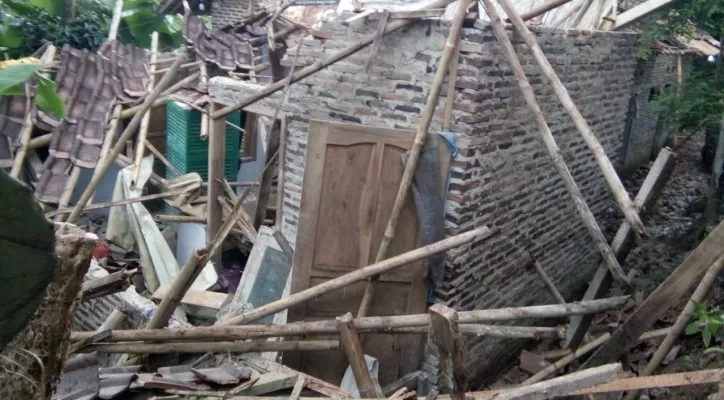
(713,327)
(11,36)
(691,329)
(16,90)
(47,99)
(20,8)
(706,336)
(52,7)
(16,74)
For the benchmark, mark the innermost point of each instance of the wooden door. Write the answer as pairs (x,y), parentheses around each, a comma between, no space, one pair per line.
(351,178)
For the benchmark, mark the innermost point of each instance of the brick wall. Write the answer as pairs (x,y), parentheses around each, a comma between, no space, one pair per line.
(225,12)
(502,177)
(647,135)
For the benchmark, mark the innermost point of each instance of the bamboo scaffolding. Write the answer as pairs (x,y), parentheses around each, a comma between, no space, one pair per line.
(387,324)
(551,146)
(604,163)
(146,120)
(414,153)
(106,162)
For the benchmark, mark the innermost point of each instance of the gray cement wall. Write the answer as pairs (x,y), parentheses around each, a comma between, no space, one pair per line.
(502,177)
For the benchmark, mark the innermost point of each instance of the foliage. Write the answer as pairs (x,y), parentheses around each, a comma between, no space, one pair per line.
(46,97)
(707,321)
(693,104)
(26,24)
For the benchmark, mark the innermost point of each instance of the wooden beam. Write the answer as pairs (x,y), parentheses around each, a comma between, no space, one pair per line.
(711,275)
(217,157)
(622,242)
(563,384)
(667,295)
(554,152)
(640,11)
(414,153)
(352,347)
(268,176)
(453,372)
(321,64)
(604,163)
(366,324)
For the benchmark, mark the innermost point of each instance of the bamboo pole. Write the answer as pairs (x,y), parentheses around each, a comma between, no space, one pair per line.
(184,219)
(205,347)
(550,144)
(358,275)
(414,153)
(117,203)
(581,351)
(115,20)
(163,159)
(387,324)
(108,139)
(143,131)
(604,163)
(352,347)
(711,275)
(105,163)
(162,99)
(27,131)
(70,185)
(321,64)
(548,282)
(40,141)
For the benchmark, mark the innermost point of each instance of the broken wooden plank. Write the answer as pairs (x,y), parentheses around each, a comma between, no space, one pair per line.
(414,153)
(109,284)
(453,372)
(622,242)
(604,163)
(554,152)
(358,275)
(362,324)
(703,377)
(711,275)
(271,382)
(667,295)
(381,24)
(201,303)
(298,387)
(205,347)
(532,363)
(352,347)
(640,11)
(311,382)
(408,381)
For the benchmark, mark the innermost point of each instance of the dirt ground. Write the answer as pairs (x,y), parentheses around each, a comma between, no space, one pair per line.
(673,225)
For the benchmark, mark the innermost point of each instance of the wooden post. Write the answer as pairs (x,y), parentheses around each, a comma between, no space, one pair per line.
(452,371)
(143,130)
(711,275)
(414,154)
(352,347)
(622,242)
(321,64)
(217,154)
(280,175)
(668,294)
(105,163)
(366,324)
(619,191)
(550,144)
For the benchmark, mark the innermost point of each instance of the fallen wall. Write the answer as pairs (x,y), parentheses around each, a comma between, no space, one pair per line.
(502,177)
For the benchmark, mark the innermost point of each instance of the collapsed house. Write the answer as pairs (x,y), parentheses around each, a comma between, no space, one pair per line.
(502,211)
